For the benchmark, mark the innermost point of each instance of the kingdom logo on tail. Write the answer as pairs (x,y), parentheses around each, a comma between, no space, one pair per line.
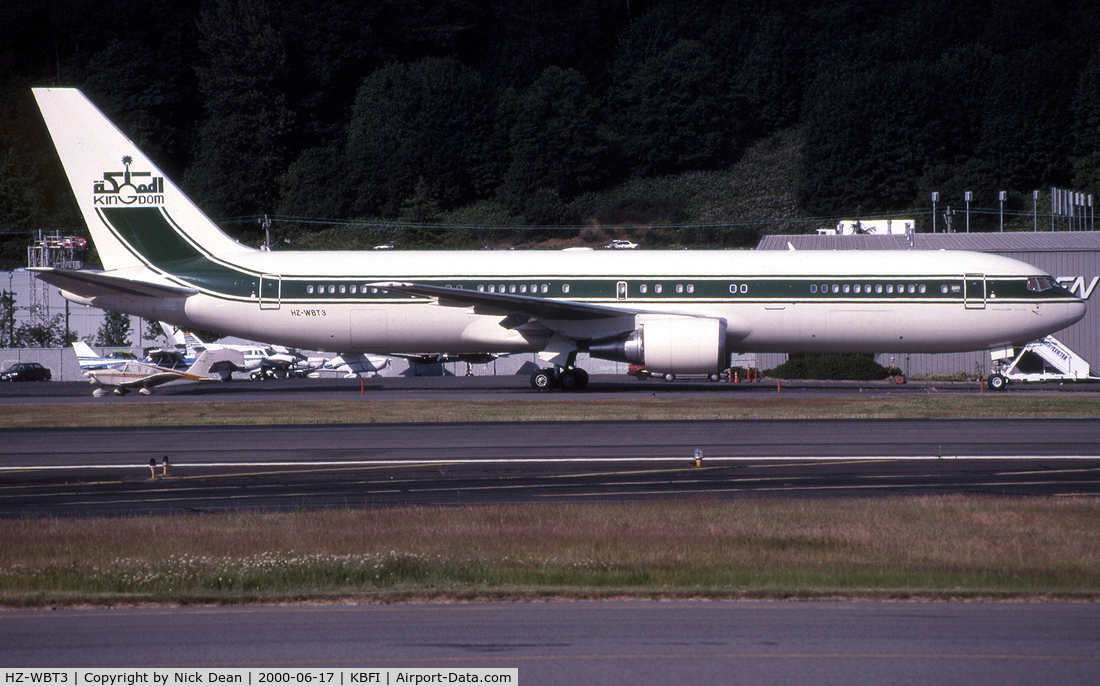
(675,311)
(127,192)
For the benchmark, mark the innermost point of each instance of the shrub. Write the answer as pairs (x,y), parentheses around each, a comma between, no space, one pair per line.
(831,367)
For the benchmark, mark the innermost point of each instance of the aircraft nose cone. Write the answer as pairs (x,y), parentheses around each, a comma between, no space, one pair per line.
(1074,312)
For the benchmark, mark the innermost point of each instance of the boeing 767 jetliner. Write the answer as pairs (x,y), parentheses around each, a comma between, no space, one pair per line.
(675,312)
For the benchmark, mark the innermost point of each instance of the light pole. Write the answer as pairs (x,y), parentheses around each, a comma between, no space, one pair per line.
(1002,196)
(1035,211)
(968,196)
(935,199)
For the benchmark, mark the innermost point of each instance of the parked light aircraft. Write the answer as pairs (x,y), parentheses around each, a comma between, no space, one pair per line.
(88,359)
(676,312)
(264,360)
(253,355)
(352,365)
(124,375)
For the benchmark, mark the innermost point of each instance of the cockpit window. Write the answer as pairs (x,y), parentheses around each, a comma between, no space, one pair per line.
(1039,283)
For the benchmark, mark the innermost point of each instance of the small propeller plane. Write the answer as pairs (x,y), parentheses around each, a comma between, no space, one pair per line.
(124,375)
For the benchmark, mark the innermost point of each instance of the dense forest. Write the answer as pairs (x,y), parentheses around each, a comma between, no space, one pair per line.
(425,120)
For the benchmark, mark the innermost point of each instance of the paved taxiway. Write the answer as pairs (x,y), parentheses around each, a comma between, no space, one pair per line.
(79,471)
(637,643)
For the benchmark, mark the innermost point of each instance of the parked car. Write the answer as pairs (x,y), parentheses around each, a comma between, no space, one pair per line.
(26,371)
(620,245)
(640,372)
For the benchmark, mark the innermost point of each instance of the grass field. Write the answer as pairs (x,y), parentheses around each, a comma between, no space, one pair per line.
(910,547)
(556,407)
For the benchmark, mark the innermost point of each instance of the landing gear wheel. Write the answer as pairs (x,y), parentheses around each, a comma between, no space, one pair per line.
(542,380)
(997,382)
(582,377)
(574,379)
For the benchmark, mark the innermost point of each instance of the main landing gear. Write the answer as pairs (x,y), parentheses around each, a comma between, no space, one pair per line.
(565,378)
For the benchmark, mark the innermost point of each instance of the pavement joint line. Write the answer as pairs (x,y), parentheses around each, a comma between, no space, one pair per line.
(707,461)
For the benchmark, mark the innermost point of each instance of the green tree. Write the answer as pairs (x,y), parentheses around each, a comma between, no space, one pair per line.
(114,331)
(7,319)
(1023,136)
(431,122)
(1086,127)
(863,149)
(21,198)
(670,114)
(557,149)
(242,143)
(41,333)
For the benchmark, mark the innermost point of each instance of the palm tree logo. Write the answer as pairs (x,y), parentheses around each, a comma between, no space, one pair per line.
(127,193)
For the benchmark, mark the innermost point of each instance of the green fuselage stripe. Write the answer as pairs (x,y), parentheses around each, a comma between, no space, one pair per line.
(154,238)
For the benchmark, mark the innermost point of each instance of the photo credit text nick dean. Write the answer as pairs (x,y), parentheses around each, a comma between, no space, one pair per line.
(154,676)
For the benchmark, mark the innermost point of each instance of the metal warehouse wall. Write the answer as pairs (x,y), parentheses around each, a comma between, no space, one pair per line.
(1072,258)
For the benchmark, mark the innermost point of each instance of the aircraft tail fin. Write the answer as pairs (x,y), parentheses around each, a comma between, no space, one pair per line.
(221,362)
(136,216)
(83,350)
(173,332)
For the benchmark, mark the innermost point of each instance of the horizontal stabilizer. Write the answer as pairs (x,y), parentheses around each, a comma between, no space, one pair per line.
(90,284)
(215,360)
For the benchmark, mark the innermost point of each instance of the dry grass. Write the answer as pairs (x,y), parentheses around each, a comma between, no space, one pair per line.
(913,547)
(559,407)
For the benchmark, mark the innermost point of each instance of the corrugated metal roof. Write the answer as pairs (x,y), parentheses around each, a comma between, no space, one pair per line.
(1061,241)
(851,242)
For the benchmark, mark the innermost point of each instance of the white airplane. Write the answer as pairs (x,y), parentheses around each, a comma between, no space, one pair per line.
(126,374)
(253,355)
(89,360)
(269,360)
(352,365)
(678,312)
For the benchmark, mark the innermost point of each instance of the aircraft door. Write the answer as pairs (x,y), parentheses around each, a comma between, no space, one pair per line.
(974,291)
(271,286)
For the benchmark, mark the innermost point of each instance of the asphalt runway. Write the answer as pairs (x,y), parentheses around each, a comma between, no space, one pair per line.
(633,642)
(105,471)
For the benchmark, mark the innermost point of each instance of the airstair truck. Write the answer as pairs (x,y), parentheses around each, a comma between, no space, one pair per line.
(1047,359)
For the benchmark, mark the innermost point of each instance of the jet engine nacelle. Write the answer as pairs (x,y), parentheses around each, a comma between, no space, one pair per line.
(677,345)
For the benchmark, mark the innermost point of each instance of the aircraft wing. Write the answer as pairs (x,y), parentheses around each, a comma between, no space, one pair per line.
(89,284)
(139,375)
(507,303)
(162,377)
